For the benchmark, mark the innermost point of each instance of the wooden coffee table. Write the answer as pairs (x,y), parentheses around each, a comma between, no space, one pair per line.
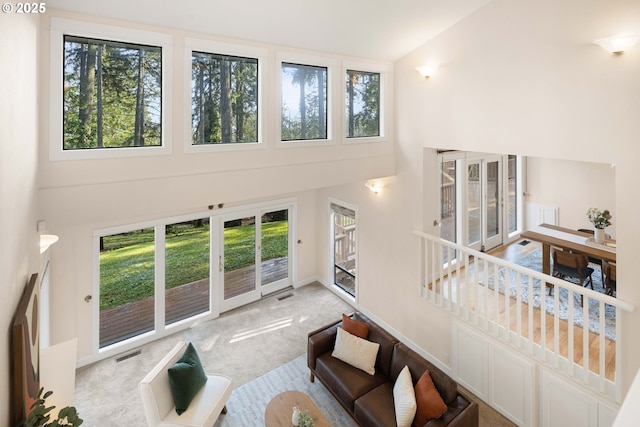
(280,409)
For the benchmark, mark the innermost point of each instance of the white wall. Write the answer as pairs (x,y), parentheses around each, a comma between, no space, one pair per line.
(19,250)
(573,187)
(518,78)
(81,196)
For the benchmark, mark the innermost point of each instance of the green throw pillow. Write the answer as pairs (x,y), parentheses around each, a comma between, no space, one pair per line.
(186,378)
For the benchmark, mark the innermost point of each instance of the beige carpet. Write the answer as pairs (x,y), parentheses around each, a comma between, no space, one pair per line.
(244,343)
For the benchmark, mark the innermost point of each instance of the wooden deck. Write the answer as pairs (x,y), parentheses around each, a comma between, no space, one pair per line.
(181,302)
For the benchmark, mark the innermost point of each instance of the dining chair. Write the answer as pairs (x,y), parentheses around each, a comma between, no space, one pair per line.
(593,260)
(609,269)
(572,265)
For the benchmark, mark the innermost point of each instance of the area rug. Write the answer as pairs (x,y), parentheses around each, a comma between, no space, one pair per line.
(247,403)
(533,261)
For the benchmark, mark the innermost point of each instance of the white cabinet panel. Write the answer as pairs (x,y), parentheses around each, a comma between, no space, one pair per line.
(565,405)
(512,385)
(471,361)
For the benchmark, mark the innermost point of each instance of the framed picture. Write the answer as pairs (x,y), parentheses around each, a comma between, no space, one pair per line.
(25,353)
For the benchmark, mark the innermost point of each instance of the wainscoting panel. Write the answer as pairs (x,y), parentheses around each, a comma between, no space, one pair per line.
(563,405)
(511,385)
(471,359)
(537,214)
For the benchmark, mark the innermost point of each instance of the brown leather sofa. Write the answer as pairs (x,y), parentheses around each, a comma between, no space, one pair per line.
(369,398)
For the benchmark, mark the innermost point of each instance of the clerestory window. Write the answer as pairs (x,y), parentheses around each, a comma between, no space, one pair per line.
(224,99)
(304,102)
(112,94)
(362,104)
(108,91)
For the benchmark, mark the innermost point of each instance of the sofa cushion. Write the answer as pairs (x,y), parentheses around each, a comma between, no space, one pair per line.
(355,351)
(355,327)
(404,398)
(429,403)
(386,341)
(376,408)
(403,355)
(186,378)
(344,381)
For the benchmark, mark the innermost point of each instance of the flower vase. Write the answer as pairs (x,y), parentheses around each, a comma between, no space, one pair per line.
(295,415)
(598,235)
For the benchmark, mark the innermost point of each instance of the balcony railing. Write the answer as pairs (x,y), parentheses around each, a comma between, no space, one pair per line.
(512,303)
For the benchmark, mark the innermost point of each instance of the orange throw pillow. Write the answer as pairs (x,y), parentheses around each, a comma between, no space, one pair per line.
(355,327)
(430,404)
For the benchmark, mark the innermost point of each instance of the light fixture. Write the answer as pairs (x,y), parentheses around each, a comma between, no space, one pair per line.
(47,240)
(375,187)
(618,44)
(427,70)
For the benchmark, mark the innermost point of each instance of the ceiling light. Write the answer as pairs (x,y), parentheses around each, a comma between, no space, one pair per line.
(618,44)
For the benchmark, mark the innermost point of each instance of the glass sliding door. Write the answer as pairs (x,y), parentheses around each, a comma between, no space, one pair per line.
(474,204)
(448,205)
(274,250)
(512,194)
(239,256)
(187,267)
(127,285)
(484,202)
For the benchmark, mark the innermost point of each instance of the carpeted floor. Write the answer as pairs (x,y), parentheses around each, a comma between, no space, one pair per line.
(245,344)
(247,403)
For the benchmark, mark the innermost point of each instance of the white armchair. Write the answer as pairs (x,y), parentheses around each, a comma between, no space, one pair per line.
(157,399)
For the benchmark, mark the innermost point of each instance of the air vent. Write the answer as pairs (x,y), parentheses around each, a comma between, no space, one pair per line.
(524,243)
(285,296)
(128,356)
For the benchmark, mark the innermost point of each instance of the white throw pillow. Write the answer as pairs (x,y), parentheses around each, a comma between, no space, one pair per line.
(356,351)
(404,399)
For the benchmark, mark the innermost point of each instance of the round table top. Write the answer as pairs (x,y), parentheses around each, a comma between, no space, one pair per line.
(280,409)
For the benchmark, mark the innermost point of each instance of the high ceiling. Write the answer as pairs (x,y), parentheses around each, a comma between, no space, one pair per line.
(377,29)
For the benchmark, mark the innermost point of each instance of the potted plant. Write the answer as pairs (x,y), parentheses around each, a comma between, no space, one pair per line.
(305,420)
(40,417)
(600,220)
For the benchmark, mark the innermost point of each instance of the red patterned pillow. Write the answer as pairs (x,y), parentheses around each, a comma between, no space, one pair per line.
(355,327)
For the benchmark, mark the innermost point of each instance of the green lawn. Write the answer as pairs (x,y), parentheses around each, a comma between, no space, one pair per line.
(127,266)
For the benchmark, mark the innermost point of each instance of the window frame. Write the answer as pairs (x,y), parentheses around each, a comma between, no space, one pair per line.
(61,27)
(385,99)
(332,120)
(221,48)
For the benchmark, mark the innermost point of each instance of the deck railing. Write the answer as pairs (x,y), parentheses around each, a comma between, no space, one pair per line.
(466,287)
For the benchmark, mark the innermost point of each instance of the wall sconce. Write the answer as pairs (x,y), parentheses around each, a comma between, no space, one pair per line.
(427,71)
(47,240)
(375,187)
(618,44)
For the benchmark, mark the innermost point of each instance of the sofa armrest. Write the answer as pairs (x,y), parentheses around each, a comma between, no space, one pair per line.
(321,341)
(469,416)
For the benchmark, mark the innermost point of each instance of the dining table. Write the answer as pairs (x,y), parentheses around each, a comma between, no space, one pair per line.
(568,239)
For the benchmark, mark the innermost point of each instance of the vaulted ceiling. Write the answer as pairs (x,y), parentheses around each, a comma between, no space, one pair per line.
(376,29)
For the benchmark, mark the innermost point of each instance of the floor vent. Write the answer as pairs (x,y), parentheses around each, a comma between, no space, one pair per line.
(524,243)
(283,297)
(128,356)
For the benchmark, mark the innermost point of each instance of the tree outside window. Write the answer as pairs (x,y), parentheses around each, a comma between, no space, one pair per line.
(304,102)
(224,99)
(362,104)
(112,94)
